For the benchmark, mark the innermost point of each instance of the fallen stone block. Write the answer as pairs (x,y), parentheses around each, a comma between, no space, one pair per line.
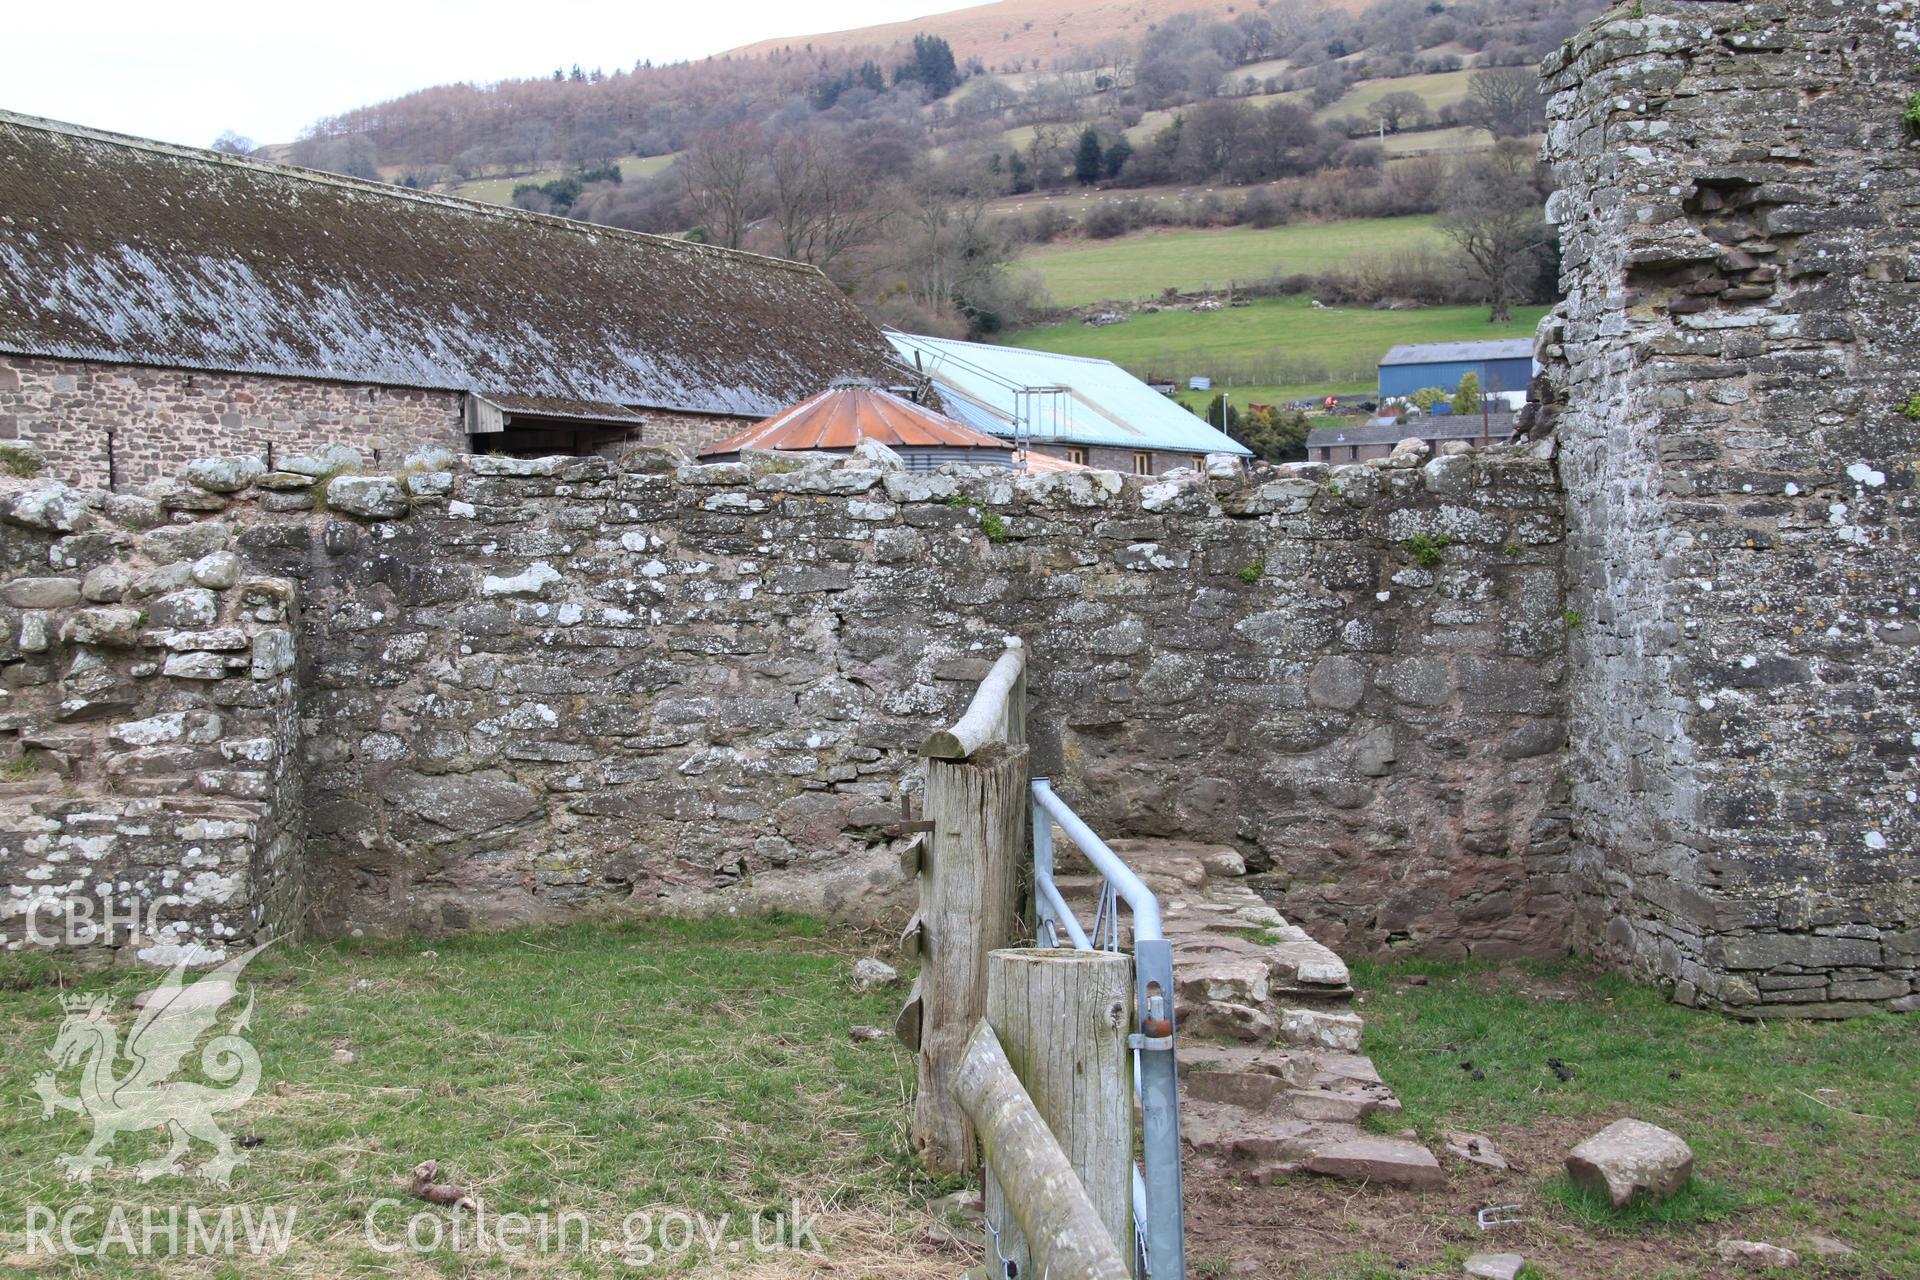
(1494,1266)
(1395,1162)
(1757,1253)
(1631,1157)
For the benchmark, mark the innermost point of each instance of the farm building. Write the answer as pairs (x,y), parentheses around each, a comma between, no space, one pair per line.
(839,418)
(1377,438)
(1074,408)
(161,303)
(1503,365)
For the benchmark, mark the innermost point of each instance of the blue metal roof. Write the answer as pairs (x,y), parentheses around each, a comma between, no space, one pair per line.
(1097,402)
(1452,352)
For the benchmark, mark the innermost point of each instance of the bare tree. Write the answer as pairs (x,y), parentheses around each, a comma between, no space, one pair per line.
(1491,208)
(234,144)
(1505,101)
(1398,108)
(725,181)
(821,214)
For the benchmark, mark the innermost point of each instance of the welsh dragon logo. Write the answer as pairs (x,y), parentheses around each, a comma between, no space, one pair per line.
(141,1095)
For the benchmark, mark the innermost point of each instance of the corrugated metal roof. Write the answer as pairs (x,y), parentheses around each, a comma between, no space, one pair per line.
(1450,352)
(124,250)
(841,417)
(1100,403)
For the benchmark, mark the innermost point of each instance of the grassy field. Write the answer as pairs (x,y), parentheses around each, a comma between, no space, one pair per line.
(1141,265)
(1437,90)
(1274,348)
(662,1067)
(1798,1130)
(500,190)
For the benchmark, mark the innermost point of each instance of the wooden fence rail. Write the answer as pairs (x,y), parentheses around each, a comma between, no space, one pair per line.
(1066,1236)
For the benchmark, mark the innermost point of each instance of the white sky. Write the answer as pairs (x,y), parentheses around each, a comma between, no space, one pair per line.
(186,70)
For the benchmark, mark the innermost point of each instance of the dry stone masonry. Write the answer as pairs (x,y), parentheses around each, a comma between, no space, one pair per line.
(1734,379)
(534,690)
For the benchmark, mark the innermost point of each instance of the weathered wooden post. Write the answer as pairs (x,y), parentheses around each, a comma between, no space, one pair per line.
(976,803)
(1045,1196)
(1062,1018)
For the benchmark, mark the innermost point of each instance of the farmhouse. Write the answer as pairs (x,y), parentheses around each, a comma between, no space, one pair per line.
(160,303)
(1503,365)
(1081,410)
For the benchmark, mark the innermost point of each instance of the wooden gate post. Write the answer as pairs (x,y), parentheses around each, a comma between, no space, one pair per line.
(969,903)
(1062,1018)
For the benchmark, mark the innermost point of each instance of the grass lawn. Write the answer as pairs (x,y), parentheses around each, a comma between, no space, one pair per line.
(1275,348)
(701,1068)
(1798,1129)
(1143,264)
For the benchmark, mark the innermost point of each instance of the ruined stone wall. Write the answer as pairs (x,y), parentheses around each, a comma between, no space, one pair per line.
(149,732)
(1733,382)
(537,690)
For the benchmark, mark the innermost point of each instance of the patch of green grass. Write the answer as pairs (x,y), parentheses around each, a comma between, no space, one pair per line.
(20,769)
(1912,407)
(1144,264)
(1701,1200)
(1322,351)
(1438,89)
(1574,619)
(1426,548)
(1797,1127)
(700,1066)
(1251,572)
(20,461)
(1911,116)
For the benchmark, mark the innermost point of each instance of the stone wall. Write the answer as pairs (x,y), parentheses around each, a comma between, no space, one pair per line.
(150,726)
(159,420)
(162,419)
(1733,382)
(537,690)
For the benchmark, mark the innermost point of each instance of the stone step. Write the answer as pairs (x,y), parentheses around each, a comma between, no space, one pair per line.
(1262,1149)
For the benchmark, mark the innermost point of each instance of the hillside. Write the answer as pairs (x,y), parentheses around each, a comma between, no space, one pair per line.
(1271,349)
(1014,33)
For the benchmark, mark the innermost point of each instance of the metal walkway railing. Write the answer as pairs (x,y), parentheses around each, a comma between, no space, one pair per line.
(1159,1215)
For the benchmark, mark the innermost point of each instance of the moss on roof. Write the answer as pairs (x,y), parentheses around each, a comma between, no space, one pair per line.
(124,250)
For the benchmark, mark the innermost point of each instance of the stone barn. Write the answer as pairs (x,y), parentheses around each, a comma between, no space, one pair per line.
(160,303)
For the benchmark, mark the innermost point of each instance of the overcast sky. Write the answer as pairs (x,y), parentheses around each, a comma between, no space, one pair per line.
(186,70)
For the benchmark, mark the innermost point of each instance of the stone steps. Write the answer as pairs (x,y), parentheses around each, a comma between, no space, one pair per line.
(1272,1080)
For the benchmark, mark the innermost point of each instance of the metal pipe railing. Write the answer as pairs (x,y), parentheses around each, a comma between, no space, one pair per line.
(1159,1209)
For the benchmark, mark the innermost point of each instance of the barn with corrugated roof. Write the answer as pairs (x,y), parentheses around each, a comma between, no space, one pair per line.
(161,303)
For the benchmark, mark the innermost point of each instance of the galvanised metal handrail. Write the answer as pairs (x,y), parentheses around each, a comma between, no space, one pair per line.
(1158,1210)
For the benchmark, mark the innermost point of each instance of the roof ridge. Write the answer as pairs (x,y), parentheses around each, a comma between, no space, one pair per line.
(390,190)
(998,346)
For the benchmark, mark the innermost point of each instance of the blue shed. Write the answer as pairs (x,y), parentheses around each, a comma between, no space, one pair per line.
(1504,364)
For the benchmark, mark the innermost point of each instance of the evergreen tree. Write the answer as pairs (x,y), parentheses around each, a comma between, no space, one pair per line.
(932,67)
(1089,161)
(1117,156)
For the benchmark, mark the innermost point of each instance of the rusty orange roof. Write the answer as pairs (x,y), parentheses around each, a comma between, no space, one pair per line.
(1038,463)
(843,415)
